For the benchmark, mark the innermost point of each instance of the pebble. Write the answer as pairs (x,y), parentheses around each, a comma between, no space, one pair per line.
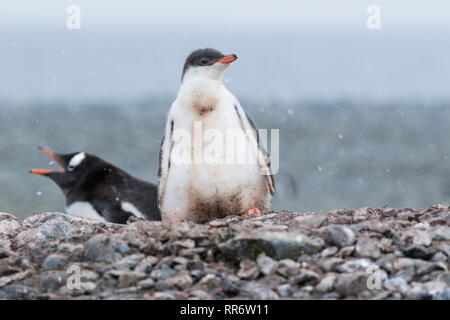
(18,292)
(180,281)
(146,284)
(258,292)
(339,236)
(103,248)
(53,281)
(328,252)
(351,284)
(326,284)
(418,252)
(129,278)
(396,284)
(280,255)
(330,264)
(367,248)
(305,276)
(288,268)
(347,252)
(266,265)
(248,269)
(284,289)
(54,262)
(162,273)
(354,265)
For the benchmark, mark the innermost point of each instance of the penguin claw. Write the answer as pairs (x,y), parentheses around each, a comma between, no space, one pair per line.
(252,211)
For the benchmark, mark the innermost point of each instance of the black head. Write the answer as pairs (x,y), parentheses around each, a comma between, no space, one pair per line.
(204,59)
(75,167)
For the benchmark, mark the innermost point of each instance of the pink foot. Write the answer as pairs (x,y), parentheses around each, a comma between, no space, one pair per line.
(251,212)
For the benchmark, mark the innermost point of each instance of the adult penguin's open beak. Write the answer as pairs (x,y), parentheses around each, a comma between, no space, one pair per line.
(45,172)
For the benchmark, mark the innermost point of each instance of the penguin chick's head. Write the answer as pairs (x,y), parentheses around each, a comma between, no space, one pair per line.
(206,63)
(74,168)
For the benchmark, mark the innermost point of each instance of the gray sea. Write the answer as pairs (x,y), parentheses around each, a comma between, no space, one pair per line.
(363,116)
(340,155)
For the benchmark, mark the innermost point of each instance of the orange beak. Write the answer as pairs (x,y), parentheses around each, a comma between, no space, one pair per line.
(45,171)
(228,59)
(42,172)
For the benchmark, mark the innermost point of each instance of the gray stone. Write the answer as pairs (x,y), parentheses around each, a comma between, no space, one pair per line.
(328,252)
(330,264)
(129,278)
(308,222)
(288,268)
(367,248)
(54,262)
(89,275)
(416,237)
(442,294)
(128,262)
(17,276)
(210,282)
(284,289)
(71,248)
(326,284)
(266,264)
(180,281)
(5,253)
(305,276)
(418,252)
(53,280)
(351,284)
(354,265)
(339,236)
(88,287)
(145,265)
(441,233)
(163,296)
(396,284)
(407,274)
(9,225)
(104,248)
(445,248)
(248,270)
(427,290)
(439,256)
(256,291)
(18,292)
(347,252)
(146,284)
(277,245)
(403,263)
(162,273)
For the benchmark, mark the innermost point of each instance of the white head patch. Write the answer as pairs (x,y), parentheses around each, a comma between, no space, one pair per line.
(76,160)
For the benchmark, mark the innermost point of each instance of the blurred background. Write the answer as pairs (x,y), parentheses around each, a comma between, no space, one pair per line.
(363,114)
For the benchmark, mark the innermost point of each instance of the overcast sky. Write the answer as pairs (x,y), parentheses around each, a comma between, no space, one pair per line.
(136,48)
(324,13)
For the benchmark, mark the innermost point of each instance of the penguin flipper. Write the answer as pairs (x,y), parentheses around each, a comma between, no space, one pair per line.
(164,161)
(250,129)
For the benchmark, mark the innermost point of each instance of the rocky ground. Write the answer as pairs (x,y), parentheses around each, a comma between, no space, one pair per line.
(344,254)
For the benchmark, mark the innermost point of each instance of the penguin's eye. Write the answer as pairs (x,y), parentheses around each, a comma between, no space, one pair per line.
(70,168)
(204,62)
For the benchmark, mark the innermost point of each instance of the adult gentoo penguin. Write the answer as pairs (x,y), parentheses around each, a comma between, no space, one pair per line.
(99,190)
(192,188)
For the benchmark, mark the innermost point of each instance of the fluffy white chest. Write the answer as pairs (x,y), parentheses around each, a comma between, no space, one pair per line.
(213,176)
(83,209)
